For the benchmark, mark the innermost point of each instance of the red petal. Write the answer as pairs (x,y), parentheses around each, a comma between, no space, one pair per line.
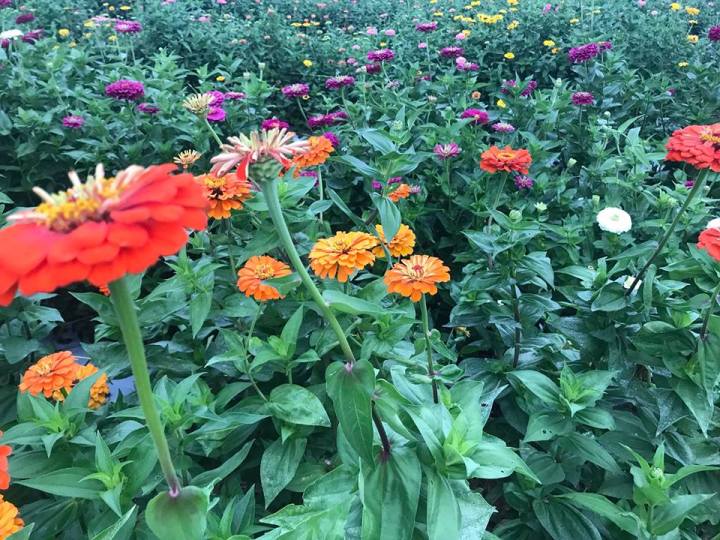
(159,191)
(6,298)
(133,215)
(67,246)
(167,238)
(24,247)
(166,212)
(99,254)
(102,274)
(139,260)
(127,235)
(194,219)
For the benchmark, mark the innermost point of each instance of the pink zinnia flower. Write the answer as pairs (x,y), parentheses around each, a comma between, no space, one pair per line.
(234,95)
(148,108)
(478,115)
(447,151)
(333,83)
(714,33)
(373,68)
(216,114)
(451,52)
(523,182)
(125,89)
(73,121)
(24,18)
(426,27)
(389,32)
(128,27)
(274,123)
(295,90)
(582,98)
(381,55)
(217,98)
(503,127)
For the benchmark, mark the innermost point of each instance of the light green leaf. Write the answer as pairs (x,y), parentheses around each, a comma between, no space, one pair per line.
(297,405)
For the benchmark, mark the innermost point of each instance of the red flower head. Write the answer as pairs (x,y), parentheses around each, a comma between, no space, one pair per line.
(99,230)
(495,159)
(5,451)
(709,240)
(697,145)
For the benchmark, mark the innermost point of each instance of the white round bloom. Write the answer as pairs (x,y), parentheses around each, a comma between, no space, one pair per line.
(614,220)
(11,34)
(714,223)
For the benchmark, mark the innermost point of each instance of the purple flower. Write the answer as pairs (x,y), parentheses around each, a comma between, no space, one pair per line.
(148,108)
(373,68)
(714,33)
(371,31)
(234,95)
(389,32)
(324,120)
(295,90)
(529,89)
(447,151)
(32,36)
(24,18)
(395,180)
(274,123)
(73,121)
(503,127)
(463,65)
(507,85)
(5,3)
(5,43)
(377,186)
(583,53)
(524,182)
(422,45)
(604,46)
(451,52)
(309,173)
(126,89)
(415,190)
(381,55)
(128,27)
(217,98)
(337,116)
(671,92)
(478,115)
(582,98)
(216,114)
(330,136)
(333,83)
(689,183)
(426,27)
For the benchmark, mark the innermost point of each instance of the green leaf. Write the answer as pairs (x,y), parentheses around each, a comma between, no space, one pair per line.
(563,522)
(213,476)
(590,450)
(539,263)
(181,518)
(696,400)
(15,348)
(350,388)
(537,383)
(361,167)
(291,330)
(354,306)
(443,512)
(297,405)
(390,492)
(66,483)
(610,298)
(200,305)
(669,516)
(111,532)
(545,426)
(627,521)
(278,466)
(22,534)
(378,140)
(390,217)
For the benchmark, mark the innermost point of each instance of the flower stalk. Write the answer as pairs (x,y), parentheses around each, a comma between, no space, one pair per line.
(428,347)
(709,312)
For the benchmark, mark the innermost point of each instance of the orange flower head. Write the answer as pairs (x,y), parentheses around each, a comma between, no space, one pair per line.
(5,451)
(10,521)
(401,245)
(252,276)
(403,191)
(225,193)
(100,390)
(697,145)
(340,255)
(99,230)
(416,276)
(52,373)
(320,149)
(495,159)
(709,240)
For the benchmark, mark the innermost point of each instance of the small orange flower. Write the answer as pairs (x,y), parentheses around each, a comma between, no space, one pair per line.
(10,521)
(494,159)
(100,390)
(697,145)
(104,290)
(342,254)
(401,245)
(52,373)
(257,269)
(403,191)
(5,451)
(225,193)
(320,150)
(416,276)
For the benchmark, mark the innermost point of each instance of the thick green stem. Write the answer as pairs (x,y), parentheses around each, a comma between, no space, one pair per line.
(709,312)
(428,347)
(269,189)
(212,132)
(125,309)
(699,183)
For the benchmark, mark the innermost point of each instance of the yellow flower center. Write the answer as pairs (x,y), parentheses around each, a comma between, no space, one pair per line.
(710,137)
(264,271)
(417,271)
(213,182)
(505,156)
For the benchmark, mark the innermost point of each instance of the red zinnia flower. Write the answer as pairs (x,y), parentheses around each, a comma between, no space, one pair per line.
(697,145)
(709,240)
(100,230)
(495,159)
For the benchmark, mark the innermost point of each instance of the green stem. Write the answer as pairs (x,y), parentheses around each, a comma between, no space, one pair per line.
(710,309)
(270,191)
(125,309)
(248,371)
(212,132)
(428,347)
(228,227)
(700,182)
(321,190)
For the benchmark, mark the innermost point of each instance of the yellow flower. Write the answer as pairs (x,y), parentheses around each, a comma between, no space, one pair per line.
(693,38)
(509,55)
(296,24)
(549,43)
(307,63)
(466,33)
(574,21)
(87,35)
(675,6)
(500,103)
(438,14)
(513,2)
(433,1)
(72,44)
(683,64)
(63,32)
(692,11)
(125,8)
(111,8)
(220,78)
(383,43)
(112,38)
(513,25)
(89,24)
(554,50)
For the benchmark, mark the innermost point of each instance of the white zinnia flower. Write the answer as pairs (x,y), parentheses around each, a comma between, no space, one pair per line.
(614,220)
(714,224)
(11,34)
(629,282)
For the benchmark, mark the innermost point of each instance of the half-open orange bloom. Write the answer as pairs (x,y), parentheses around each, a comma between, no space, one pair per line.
(709,240)
(5,451)
(225,193)
(401,245)
(252,276)
(100,390)
(320,150)
(495,159)
(52,373)
(342,254)
(697,145)
(100,230)
(10,521)
(401,192)
(416,276)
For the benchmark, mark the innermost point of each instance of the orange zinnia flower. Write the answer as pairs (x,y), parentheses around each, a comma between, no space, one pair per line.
(100,390)
(709,240)
(100,230)
(52,373)
(403,191)
(10,522)
(257,269)
(416,276)
(5,451)
(225,193)
(697,145)
(494,159)
(401,245)
(320,150)
(342,254)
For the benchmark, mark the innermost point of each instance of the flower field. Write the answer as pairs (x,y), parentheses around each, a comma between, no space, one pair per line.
(369,269)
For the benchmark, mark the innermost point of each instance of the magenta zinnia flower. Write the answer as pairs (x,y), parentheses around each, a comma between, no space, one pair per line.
(381,55)
(330,136)
(503,127)
(714,33)
(24,18)
(451,52)
(523,182)
(128,27)
(447,151)
(5,3)
(529,89)
(216,114)
(333,83)
(73,121)
(234,95)
(426,26)
(295,90)
(125,89)
(462,64)
(32,36)
(148,108)
(373,68)
(478,115)
(217,98)
(273,123)
(582,98)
